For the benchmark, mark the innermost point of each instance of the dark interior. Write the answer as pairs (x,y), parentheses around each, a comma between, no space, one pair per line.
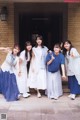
(49,26)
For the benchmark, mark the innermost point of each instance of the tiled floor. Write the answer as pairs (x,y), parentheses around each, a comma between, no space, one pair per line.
(34,108)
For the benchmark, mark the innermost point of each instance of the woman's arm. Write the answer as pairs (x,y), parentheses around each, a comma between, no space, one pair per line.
(74,53)
(32,64)
(20,62)
(50,61)
(33,55)
(5,49)
(63,71)
(19,66)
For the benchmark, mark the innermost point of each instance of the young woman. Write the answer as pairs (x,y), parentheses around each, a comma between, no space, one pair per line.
(72,68)
(24,58)
(37,73)
(54,60)
(8,84)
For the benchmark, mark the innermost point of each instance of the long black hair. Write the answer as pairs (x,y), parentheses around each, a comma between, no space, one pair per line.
(26,51)
(64,50)
(41,38)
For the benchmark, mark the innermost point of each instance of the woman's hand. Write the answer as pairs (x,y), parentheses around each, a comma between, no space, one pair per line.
(52,57)
(72,55)
(64,77)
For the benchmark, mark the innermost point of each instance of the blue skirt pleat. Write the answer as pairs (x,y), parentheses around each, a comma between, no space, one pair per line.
(8,86)
(1,74)
(4,84)
(12,90)
(73,85)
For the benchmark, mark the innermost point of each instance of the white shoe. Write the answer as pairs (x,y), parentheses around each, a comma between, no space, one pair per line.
(55,98)
(51,97)
(25,95)
(19,95)
(73,97)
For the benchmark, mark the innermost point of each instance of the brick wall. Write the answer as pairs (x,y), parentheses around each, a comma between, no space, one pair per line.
(7,29)
(74,24)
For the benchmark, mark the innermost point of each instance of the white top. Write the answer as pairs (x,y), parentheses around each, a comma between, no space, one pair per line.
(73,63)
(40,55)
(10,63)
(22,56)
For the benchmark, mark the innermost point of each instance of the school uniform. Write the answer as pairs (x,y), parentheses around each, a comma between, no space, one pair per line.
(54,82)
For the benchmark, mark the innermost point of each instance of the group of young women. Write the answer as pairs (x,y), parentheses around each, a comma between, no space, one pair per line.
(45,71)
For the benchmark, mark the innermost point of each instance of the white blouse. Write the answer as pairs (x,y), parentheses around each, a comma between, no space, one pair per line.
(73,64)
(10,63)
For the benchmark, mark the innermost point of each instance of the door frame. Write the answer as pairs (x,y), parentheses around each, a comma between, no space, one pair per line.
(40,8)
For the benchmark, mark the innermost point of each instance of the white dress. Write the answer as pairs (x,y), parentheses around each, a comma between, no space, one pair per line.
(22,79)
(37,72)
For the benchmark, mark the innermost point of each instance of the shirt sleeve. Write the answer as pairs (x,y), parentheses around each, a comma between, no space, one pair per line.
(46,48)
(74,52)
(62,58)
(34,51)
(22,55)
(48,58)
(8,58)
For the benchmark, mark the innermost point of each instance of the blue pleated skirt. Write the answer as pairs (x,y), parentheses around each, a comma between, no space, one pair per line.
(73,85)
(8,86)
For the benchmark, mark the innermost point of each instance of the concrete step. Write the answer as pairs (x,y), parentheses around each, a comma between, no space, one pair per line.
(65,86)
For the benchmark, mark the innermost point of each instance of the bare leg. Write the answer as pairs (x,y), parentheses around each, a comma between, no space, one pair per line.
(38,93)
